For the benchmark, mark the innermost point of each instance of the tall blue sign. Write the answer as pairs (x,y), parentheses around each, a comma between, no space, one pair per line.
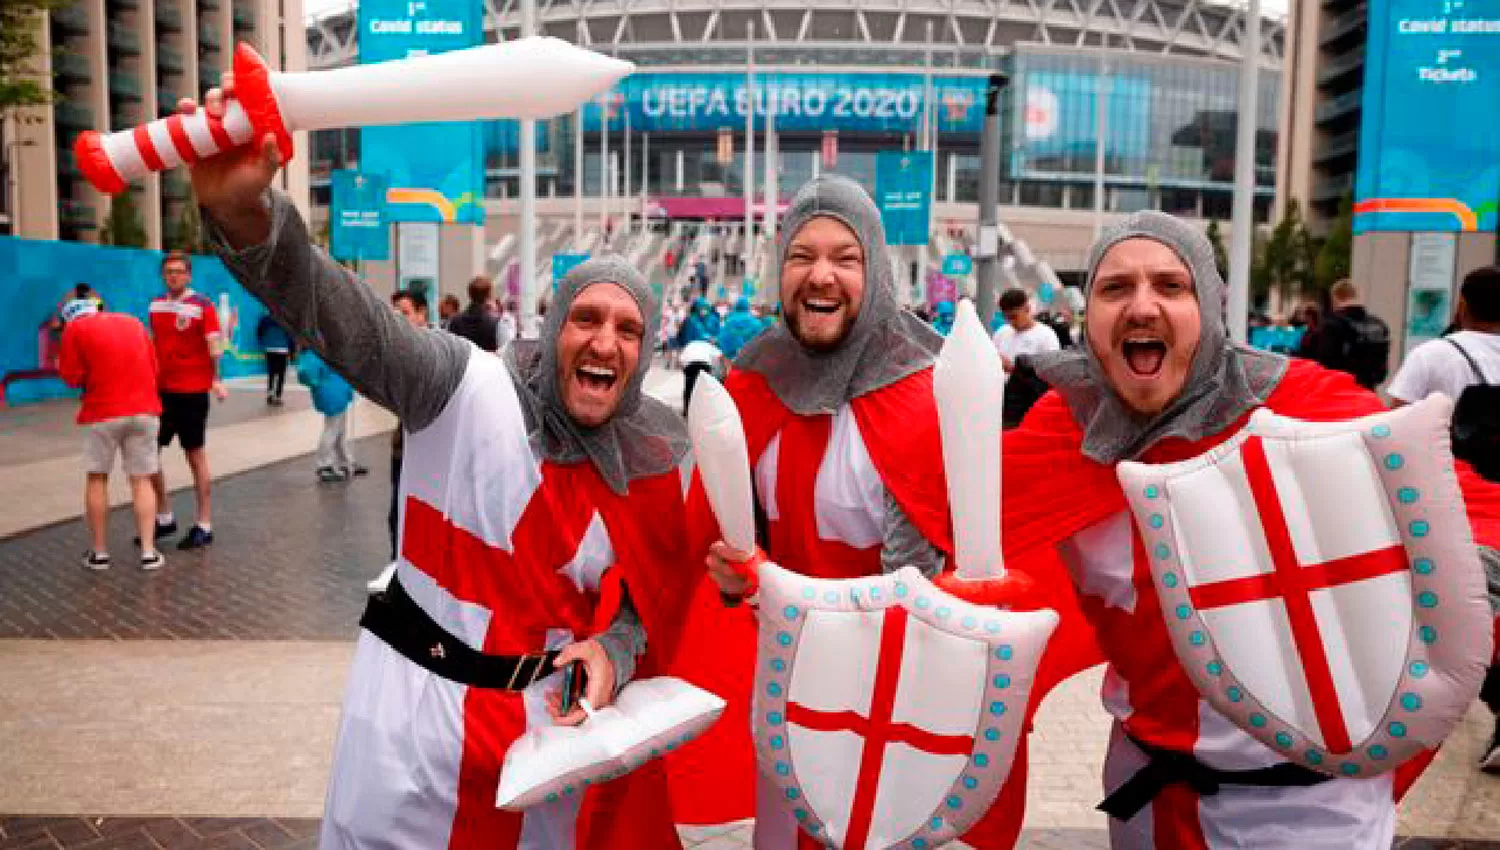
(903,191)
(356,218)
(1429,137)
(436,170)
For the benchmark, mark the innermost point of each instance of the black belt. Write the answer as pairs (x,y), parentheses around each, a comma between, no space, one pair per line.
(393,617)
(1166,767)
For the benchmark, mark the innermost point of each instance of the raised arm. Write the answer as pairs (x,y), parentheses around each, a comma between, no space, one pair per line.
(411,371)
(264,243)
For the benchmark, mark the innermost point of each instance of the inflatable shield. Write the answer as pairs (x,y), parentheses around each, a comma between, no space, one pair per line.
(1321,585)
(886,710)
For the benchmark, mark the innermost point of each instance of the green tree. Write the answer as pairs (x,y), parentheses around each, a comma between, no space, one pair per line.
(187,235)
(1334,257)
(1283,257)
(1215,236)
(20,84)
(123,226)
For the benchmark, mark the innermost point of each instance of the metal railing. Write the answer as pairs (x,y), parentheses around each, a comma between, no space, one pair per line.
(1344,24)
(1341,145)
(1339,106)
(1353,60)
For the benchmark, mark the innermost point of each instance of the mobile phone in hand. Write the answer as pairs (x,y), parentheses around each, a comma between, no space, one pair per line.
(572,686)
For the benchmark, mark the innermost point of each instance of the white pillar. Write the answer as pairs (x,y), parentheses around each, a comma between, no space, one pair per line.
(1243,222)
(680,157)
(768,228)
(528,193)
(1101,130)
(578,162)
(625,196)
(645,174)
(603,164)
(749,169)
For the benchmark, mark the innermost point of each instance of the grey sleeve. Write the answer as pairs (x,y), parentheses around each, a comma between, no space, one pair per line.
(411,372)
(624,641)
(902,545)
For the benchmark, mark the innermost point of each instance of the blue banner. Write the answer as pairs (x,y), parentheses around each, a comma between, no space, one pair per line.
(903,191)
(357,228)
(564,263)
(1057,121)
(37,277)
(803,102)
(1429,137)
(957,265)
(435,170)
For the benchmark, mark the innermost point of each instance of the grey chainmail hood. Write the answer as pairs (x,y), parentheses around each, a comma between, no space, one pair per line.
(1225,380)
(884,344)
(644,437)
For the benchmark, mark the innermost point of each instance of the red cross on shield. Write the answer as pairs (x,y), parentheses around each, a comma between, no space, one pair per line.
(1320,584)
(887,711)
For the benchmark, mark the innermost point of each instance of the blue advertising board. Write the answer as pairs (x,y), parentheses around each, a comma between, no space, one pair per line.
(435,170)
(564,263)
(1429,138)
(957,265)
(357,228)
(1057,120)
(803,102)
(903,191)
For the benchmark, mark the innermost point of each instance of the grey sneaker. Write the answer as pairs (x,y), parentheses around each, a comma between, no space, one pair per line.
(152,561)
(96,561)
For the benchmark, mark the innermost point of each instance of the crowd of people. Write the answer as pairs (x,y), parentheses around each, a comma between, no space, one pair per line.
(540,520)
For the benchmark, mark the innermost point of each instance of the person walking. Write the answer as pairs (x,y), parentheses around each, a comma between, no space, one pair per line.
(277,345)
(110,356)
(477,323)
(412,308)
(185,328)
(1021,335)
(1465,366)
(331,396)
(1351,339)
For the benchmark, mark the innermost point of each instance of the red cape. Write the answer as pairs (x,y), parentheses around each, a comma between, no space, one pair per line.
(713,779)
(1044,462)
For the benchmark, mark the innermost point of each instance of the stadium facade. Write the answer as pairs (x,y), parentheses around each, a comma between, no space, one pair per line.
(846,80)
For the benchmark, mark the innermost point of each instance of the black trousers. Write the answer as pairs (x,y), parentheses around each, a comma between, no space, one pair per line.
(1489,692)
(690,374)
(275,372)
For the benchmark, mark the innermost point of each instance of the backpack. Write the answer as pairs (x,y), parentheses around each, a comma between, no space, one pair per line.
(1476,422)
(1367,354)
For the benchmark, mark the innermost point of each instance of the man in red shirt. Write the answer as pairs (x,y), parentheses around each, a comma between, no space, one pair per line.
(185,326)
(110,357)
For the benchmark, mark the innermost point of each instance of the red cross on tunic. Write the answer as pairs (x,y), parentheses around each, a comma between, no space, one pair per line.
(526,595)
(1293,582)
(878,730)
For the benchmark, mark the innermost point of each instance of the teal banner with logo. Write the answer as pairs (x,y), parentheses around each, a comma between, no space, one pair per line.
(357,227)
(803,102)
(957,265)
(564,263)
(435,170)
(903,190)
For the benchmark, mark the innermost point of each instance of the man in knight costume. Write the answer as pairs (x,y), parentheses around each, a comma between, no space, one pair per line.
(1158,381)
(841,428)
(541,521)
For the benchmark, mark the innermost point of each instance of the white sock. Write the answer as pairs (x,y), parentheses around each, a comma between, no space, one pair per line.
(203,525)
(165,519)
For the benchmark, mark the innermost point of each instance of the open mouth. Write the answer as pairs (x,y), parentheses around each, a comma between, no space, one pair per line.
(596,378)
(1144,355)
(822,306)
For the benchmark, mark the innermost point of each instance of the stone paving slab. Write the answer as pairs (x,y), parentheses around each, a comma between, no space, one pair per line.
(289,561)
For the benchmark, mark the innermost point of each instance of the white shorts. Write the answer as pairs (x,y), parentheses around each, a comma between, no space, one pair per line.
(131,437)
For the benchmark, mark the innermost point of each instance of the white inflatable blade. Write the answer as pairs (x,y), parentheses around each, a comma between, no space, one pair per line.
(723,460)
(969,384)
(536,77)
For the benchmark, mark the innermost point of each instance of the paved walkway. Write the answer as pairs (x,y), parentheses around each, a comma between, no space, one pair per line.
(195,707)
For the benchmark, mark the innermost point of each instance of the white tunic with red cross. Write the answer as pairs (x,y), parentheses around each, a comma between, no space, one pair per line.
(506,554)
(1152,698)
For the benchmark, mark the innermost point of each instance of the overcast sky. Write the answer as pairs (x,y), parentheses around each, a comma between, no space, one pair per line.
(1273,8)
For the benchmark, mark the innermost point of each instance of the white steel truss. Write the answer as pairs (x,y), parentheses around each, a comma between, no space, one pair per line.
(961,27)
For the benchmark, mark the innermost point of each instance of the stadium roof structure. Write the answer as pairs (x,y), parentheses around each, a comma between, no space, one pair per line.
(964,34)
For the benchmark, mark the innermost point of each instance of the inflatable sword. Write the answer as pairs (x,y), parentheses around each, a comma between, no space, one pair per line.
(533,77)
(969,384)
(718,439)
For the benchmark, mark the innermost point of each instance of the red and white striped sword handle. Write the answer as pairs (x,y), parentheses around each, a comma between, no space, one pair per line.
(112,161)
